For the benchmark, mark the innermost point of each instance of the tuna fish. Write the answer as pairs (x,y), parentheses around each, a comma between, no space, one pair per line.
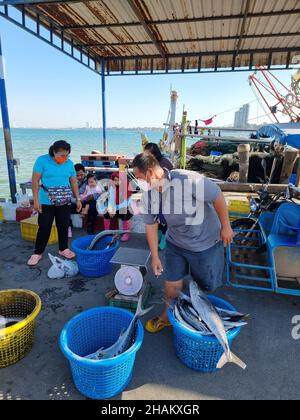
(210,316)
(125,340)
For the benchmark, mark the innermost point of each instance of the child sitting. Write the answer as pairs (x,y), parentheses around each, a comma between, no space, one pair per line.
(118,204)
(92,188)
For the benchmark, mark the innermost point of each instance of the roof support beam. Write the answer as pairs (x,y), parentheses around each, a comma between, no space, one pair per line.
(147,27)
(209,54)
(243,27)
(180,41)
(36,2)
(53,31)
(185,20)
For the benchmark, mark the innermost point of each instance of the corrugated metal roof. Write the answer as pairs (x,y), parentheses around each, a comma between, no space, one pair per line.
(170,35)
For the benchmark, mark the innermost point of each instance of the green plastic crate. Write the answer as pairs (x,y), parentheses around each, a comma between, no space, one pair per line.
(132,306)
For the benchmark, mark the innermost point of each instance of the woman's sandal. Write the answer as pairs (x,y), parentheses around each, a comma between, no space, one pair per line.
(68,254)
(34,260)
(156,325)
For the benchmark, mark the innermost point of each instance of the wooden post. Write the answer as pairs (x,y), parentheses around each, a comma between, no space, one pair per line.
(183,141)
(288,165)
(244,157)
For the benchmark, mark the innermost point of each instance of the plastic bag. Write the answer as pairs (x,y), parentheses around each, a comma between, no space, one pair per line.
(62,268)
(23,200)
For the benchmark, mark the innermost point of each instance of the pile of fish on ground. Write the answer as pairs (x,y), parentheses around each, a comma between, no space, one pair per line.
(125,340)
(197,314)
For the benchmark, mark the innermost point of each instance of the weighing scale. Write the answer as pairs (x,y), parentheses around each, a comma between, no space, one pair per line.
(130,279)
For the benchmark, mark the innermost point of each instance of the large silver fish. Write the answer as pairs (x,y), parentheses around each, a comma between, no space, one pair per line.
(225,314)
(113,233)
(192,318)
(209,315)
(125,339)
(181,321)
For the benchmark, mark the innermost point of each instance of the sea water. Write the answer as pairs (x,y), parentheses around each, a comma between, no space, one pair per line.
(29,144)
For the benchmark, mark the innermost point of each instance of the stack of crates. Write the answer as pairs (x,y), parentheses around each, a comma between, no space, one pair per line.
(101,161)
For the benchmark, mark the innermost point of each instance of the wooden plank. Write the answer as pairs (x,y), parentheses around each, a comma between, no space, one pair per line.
(288,165)
(250,188)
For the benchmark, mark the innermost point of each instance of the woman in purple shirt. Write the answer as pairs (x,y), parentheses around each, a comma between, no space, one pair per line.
(154,150)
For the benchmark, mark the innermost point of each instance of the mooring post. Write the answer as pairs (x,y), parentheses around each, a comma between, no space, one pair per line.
(244,157)
(183,141)
(7,132)
(104,106)
(290,159)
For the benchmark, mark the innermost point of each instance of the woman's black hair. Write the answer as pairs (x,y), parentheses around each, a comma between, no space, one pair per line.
(154,150)
(59,145)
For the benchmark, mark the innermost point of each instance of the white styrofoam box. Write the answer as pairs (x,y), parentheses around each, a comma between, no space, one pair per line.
(9,212)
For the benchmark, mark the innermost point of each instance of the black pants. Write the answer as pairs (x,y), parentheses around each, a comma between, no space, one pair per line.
(92,213)
(62,216)
(124,217)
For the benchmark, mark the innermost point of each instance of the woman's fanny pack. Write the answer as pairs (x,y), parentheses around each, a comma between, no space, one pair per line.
(59,196)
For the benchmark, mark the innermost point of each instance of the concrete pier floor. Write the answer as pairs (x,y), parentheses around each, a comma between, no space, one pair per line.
(266,345)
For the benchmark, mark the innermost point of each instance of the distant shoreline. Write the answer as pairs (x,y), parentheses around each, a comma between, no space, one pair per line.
(90,129)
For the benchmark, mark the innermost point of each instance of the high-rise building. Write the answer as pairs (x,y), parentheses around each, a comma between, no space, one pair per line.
(242,116)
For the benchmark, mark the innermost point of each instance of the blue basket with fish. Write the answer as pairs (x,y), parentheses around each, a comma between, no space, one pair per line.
(95,263)
(95,329)
(200,352)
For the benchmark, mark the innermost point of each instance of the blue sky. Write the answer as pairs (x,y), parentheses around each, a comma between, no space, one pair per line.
(45,88)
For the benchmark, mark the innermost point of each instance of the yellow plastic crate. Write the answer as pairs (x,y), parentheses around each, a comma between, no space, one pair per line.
(238,209)
(29,230)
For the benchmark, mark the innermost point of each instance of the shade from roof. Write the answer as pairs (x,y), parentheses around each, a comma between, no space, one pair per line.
(288,134)
(173,35)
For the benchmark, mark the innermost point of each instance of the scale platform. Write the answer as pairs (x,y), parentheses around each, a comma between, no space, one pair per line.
(139,259)
(133,257)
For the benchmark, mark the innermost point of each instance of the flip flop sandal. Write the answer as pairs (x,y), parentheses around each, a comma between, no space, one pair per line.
(156,325)
(34,260)
(68,254)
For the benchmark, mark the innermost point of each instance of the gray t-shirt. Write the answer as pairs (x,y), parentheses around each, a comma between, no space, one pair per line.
(186,204)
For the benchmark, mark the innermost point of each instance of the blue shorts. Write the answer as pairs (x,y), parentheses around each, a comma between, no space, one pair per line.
(207,267)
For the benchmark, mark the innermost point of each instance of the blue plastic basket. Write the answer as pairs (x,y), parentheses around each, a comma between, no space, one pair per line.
(90,331)
(196,351)
(94,263)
